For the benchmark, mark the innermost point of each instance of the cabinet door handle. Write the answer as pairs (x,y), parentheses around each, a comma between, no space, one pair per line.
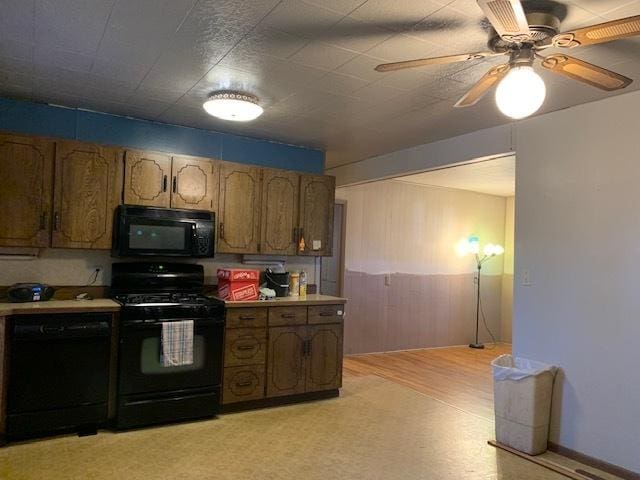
(175,184)
(247,383)
(308,347)
(295,235)
(246,317)
(56,221)
(304,348)
(43,220)
(221,230)
(246,347)
(164,183)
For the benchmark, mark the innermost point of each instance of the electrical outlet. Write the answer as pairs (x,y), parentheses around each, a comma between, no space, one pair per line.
(387,280)
(525,277)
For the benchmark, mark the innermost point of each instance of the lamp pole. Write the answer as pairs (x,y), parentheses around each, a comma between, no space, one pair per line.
(477,344)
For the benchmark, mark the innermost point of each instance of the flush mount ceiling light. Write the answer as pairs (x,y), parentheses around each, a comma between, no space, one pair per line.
(234,106)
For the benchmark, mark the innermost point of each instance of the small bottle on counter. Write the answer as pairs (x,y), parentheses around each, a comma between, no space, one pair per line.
(303,283)
(294,284)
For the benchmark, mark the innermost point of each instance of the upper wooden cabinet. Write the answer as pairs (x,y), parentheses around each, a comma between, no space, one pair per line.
(194,183)
(160,180)
(317,198)
(88,188)
(239,210)
(146,179)
(26,179)
(280,192)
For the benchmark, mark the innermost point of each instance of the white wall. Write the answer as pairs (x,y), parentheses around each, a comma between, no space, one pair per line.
(578,231)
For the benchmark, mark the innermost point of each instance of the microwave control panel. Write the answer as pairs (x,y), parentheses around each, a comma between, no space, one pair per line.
(204,239)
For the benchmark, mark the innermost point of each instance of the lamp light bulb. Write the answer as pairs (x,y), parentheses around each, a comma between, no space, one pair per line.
(521,92)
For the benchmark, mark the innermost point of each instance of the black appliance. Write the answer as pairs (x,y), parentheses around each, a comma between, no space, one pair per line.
(279,282)
(58,373)
(148,392)
(30,292)
(144,231)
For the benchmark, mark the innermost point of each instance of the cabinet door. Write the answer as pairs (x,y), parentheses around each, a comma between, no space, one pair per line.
(239,212)
(324,358)
(146,178)
(194,183)
(26,182)
(279,212)
(317,197)
(286,361)
(88,186)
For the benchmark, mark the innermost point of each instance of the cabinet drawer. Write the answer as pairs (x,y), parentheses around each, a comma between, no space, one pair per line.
(246,317)
(245,346)
(243,383)
(325,314)
(287,316)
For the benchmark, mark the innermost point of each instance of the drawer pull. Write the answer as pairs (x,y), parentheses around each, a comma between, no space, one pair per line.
(246,317)
(327,314)
(247,383)
(246,347)
(288,315)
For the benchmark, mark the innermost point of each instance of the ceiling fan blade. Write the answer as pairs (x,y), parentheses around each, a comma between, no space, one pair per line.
(600,33)
(482,86)
(423,62)
(585,72)
(507,17)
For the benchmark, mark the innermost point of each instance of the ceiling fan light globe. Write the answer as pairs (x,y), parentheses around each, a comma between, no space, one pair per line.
(235,107)
(520,93)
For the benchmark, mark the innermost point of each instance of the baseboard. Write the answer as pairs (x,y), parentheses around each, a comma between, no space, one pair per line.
(594,462)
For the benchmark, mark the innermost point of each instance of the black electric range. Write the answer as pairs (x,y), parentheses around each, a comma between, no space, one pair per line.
(152,294)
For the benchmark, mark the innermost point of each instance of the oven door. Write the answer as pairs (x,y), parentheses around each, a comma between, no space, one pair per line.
(141,236)
(140,368)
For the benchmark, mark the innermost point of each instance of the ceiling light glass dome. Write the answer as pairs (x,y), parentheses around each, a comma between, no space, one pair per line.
(521,92)
(234,106)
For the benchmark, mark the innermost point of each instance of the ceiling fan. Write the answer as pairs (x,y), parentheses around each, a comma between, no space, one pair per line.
(522,36)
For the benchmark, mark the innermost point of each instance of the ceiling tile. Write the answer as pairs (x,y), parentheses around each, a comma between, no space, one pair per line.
(301,19)
(17,21)
(599,7)
(355,35)
(322,56)
(71,25)
(343,7)
(387,15)
(403,47)
(377,92)
(76,62)
(363,66)
(125,72)
(339,83)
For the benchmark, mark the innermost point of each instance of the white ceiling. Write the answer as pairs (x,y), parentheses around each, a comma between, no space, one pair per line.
(310,62)
(494,177)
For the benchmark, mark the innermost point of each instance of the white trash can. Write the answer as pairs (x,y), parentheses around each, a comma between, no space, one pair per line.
(522,391)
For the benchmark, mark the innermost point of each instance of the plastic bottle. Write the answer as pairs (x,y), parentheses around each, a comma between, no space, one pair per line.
(294,284)
(303,283)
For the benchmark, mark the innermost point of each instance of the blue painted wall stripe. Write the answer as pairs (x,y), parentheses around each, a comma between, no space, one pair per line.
(47,120)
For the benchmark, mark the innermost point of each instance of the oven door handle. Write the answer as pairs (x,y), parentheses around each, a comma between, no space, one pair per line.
(142,325)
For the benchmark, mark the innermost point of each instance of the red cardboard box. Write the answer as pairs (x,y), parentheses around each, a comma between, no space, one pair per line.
(238,284)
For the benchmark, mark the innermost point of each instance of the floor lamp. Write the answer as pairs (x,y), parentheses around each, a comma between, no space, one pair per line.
(472,245)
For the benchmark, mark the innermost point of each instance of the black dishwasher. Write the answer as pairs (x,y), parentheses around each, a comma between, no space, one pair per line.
(58,373)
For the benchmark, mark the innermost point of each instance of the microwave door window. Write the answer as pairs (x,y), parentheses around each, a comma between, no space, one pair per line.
(157,237)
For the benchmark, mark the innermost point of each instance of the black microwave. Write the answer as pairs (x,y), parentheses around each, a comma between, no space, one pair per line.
(145,231)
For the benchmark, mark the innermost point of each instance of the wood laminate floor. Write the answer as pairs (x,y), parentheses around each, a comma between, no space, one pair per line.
(457,376)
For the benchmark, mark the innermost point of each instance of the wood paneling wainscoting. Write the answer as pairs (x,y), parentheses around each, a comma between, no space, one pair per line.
(417,311)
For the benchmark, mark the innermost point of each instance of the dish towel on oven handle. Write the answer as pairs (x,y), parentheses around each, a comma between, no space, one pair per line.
(177,343)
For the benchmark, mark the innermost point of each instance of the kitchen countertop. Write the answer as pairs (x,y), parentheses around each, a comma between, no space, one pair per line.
(288,301)
(60,306)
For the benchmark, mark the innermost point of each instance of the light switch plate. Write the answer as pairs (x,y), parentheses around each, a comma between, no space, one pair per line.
(317,245)
(525,277)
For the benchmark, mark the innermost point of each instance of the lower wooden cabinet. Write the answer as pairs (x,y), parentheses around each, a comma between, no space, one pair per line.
(299,352)
(286,366)
(304,359)
(243,383)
